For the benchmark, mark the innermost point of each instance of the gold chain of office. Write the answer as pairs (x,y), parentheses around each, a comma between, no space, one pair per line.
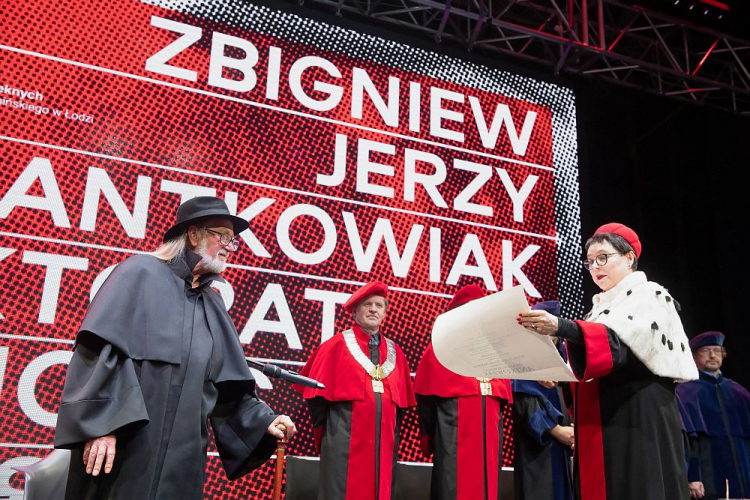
(376,372)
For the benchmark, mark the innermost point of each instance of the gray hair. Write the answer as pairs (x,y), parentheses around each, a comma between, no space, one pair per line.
(172,249)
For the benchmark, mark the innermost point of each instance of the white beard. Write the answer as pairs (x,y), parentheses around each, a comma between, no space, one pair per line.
(211,264)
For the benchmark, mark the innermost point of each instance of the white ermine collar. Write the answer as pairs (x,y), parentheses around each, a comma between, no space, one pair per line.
(643,316)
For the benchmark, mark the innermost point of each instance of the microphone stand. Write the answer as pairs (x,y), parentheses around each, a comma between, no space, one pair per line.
(279,373)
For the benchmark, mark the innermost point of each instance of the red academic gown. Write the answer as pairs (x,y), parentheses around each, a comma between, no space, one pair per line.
(467,458)
(355,464)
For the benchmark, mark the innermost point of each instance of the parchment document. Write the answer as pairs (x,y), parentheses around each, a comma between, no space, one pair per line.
(483,339)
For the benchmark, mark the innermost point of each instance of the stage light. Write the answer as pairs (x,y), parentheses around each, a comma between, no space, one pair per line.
(728,16)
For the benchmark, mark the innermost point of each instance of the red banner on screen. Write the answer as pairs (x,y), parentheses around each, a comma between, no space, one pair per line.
(354,159)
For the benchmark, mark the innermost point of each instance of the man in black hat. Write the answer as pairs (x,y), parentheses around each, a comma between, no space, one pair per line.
(156,358)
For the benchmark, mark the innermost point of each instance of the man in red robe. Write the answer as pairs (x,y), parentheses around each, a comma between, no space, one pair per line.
(357,416)
(461,424)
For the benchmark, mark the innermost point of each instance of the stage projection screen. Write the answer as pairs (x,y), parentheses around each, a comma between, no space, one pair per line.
(354,158)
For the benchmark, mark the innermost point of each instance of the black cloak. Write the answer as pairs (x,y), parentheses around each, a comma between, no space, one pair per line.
(154,360)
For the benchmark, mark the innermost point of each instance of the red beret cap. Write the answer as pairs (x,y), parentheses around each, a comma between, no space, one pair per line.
(466,294)
(625,232)
(374,288)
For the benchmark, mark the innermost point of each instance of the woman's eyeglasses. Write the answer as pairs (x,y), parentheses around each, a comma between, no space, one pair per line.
(600,260)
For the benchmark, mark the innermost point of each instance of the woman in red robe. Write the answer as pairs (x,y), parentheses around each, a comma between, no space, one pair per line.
(627,356)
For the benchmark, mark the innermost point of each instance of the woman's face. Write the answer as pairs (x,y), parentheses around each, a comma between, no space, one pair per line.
(617,267)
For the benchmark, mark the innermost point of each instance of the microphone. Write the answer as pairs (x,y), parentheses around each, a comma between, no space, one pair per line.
(288,375)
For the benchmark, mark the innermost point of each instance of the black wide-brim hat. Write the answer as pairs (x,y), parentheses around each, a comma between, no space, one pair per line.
(202,208)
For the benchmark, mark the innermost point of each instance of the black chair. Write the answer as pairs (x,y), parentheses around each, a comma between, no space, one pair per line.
(302,476)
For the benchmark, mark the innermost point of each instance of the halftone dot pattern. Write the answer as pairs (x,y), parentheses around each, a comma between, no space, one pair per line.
(508,445)
(20,457)
(153,139)
(48,389)
(25,424)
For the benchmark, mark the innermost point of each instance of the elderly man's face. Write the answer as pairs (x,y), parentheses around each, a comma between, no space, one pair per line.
(210,247)
(709,358)
(370,313)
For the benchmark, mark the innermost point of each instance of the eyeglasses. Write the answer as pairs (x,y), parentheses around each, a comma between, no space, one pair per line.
(600,260)
(225,239)
(707,351)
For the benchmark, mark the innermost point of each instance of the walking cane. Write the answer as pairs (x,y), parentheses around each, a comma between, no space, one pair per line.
(279,473)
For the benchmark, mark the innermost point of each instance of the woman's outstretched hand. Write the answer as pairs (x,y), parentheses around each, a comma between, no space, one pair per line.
(540,322)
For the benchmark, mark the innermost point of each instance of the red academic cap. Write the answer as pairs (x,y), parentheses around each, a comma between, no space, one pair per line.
(625,232)
(374,288)
(466,294)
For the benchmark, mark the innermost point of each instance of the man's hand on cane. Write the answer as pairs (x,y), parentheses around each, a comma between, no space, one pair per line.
(291,430)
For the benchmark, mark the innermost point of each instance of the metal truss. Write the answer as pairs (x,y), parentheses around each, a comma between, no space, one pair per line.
(623,44)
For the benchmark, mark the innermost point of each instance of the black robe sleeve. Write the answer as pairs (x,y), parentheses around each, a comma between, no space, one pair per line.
(692,457)
(102,395)
(427,413)
(577,348)
(240,430)
(318,409)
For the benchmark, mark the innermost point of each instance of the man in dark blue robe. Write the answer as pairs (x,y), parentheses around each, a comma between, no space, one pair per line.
(543,435)
(717,411)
